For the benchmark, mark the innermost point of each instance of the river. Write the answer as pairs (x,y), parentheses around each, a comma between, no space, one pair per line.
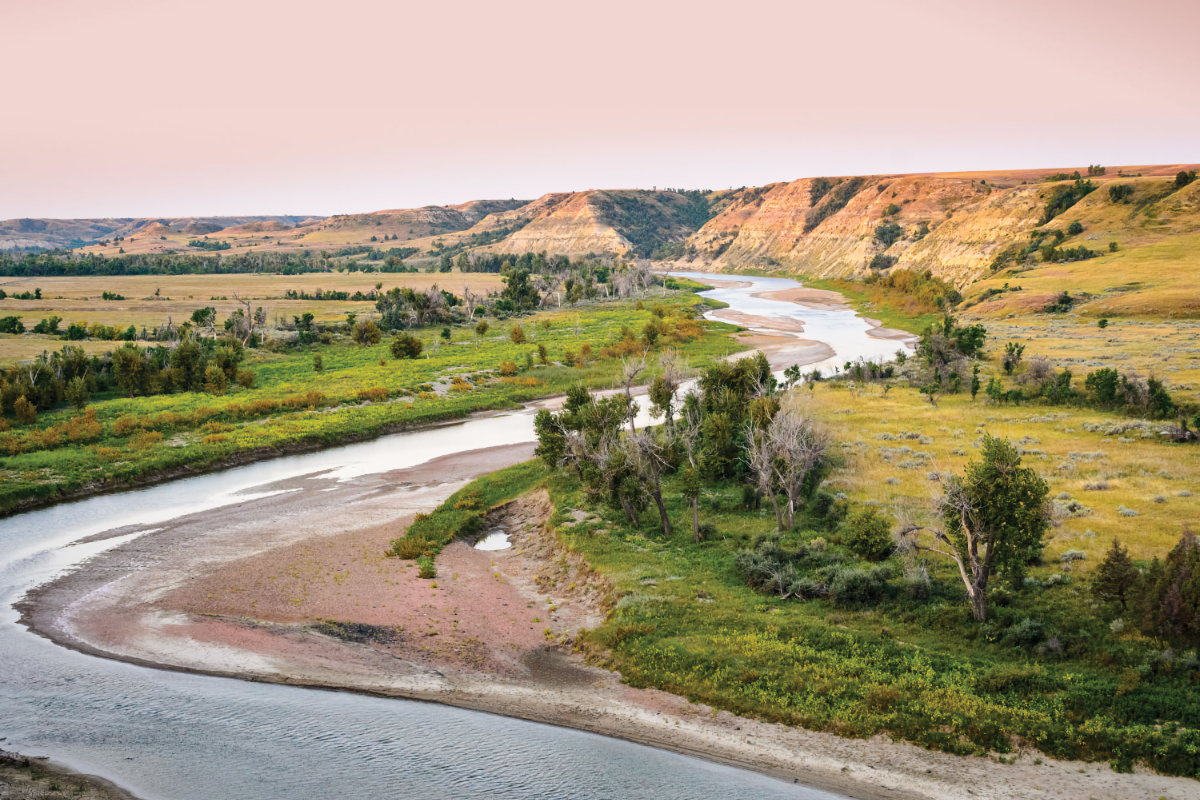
(180,736)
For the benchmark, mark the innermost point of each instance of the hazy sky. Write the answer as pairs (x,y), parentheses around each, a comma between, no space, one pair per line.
(163,107)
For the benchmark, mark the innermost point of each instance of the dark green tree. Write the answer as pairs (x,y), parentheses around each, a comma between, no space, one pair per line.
(1116,576)
(994,517)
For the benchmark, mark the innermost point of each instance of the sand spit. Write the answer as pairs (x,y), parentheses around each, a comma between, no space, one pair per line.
(756,321)
(809,298)
(879,332)
(783,351)
(295,589)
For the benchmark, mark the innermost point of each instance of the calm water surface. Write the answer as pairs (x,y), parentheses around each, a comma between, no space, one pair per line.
(189,737)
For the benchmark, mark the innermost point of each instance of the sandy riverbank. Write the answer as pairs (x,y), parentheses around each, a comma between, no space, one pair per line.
(247,590)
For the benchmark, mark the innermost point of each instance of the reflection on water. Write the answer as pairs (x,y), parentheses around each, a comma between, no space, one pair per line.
(183,737)
(496,539)
(839,328)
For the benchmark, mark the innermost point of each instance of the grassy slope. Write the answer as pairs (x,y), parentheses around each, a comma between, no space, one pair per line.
(216,430)
(1155,272)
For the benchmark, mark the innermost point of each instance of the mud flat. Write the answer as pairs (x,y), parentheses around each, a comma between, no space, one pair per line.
(296,589)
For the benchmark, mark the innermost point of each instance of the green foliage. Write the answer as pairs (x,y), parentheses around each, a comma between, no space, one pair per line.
(867,533)
(210,244)
(1013,353)
(888,233)
(941,344)
(406,346)
(463,513)
(1075,228)
(1120,192)
(1003,513)
(1183,178)
(859,586)
(77,393)
(834,199)
(1061,305)
(924,290)
(819,187)
(1116,576)
(49,326)
(723,634)
(1167,600)
(1063,197)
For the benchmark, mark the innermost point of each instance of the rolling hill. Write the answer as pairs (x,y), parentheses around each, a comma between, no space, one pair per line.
(966,228)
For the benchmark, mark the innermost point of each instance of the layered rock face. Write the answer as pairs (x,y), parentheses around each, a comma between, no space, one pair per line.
(952,225)
(566,223)
(624,222)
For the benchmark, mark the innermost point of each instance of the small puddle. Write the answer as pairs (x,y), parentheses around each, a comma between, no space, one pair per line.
(496,539)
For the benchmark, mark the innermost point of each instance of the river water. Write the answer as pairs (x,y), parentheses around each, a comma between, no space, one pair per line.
(178,736)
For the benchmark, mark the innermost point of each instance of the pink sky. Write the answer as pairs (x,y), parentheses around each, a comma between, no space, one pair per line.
(157,107)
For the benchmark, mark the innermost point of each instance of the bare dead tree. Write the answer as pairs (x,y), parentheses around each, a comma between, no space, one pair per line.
(209,321)
(470,301)
(647,454)
(798,445)
(687,433)
(612,458)
(666,386)
(760,457)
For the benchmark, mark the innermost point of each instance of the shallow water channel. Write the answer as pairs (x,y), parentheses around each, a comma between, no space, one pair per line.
(179,736)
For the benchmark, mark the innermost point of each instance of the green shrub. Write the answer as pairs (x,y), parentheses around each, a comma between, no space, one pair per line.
(867,533)
(888,233)
(858,586)
(1075,228)
(880,262)
(407,346)
(1026,633)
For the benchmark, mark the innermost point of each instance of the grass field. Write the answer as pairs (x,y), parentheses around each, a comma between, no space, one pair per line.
(79,299)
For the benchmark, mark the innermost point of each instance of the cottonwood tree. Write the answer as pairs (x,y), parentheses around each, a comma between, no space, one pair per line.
(993,518)
(631,370)
(666,385)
